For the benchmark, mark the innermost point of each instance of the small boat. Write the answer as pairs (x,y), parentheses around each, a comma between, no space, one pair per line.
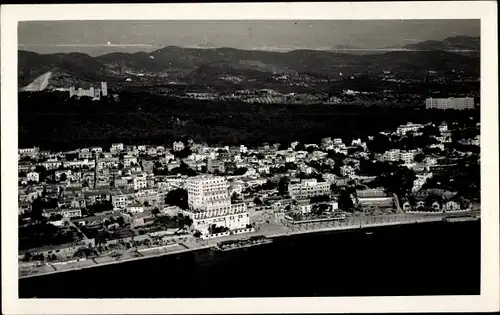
(369,233)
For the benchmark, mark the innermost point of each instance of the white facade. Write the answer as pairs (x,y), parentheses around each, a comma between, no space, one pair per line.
(207,191)
(116,147)
(119,201)
(210,203)
(450,103)
(140,182)
(178,146)
(128,160)
(407,156)
(233,217)
(347,170)
(33,177)
(308,188)
(408,128)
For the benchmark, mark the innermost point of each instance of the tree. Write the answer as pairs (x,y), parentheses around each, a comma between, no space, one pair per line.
(257,201)
(177,197)
(419,158)
(310,149)
(283,186)
(299,147)
(379,144)
(155,211)
(234,197)
(345,201)
(63,177)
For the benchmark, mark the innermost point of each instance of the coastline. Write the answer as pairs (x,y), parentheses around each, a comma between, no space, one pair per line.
(416,220)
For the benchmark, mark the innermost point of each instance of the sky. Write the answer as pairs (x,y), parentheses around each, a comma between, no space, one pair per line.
(100,37)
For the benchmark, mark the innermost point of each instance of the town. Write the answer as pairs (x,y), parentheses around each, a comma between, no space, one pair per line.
(96,205)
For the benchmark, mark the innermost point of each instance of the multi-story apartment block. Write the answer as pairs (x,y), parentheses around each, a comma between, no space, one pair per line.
(450,103)
(308,188)
(139,182)
(119,201)
(407,156)
(210,203)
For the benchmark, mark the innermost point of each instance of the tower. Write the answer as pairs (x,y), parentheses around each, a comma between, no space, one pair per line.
(104,88)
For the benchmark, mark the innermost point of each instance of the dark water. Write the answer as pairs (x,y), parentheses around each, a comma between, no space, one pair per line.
(424,259)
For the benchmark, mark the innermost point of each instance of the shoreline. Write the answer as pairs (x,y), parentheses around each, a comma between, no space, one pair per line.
(267,235)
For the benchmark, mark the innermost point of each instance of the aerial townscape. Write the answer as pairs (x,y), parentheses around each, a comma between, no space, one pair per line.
(180,151)
(101,205)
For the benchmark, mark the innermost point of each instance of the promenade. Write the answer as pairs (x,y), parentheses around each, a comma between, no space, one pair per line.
(268,230)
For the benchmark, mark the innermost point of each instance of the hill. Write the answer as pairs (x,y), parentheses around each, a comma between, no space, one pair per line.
(187,64)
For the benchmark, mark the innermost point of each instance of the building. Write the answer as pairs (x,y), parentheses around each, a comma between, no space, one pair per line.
(308,188)
(407,156)
(178,146)
(210,203)
(139,182)
(104,88)
(119,201)
(207,191)
(215,166)
(29,152)
(116,148)
(92,92)
(347,170)
(33,177)
(450,103)
(408,128)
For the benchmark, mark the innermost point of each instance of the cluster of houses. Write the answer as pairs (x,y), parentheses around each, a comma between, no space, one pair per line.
(132,181)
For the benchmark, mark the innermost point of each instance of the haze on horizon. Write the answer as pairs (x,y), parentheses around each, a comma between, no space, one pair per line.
(101,37)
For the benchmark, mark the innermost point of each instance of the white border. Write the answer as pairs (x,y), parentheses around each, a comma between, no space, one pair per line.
(484,10)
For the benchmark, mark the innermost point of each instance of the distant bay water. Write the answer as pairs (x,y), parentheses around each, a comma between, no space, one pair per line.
(423,259)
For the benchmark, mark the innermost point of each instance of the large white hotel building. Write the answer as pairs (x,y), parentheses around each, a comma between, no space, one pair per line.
(450,103)
(210,203)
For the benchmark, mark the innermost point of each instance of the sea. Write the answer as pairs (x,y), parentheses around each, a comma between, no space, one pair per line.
(408,260)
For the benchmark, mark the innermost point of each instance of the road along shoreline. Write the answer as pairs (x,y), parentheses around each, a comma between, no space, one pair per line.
(364,224)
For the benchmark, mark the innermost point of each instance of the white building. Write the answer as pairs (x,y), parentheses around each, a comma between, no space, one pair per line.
(210,203)
(308,188)
(443,127)
(178,146)
(116,147)
(408,128)
(407,156)
(28,152)
(450,103)
(96,149)
(347,170)
(129,160)
(140,182)
(119,201)
(135,208)
(33,177)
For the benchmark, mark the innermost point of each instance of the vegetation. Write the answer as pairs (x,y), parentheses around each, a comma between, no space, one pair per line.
(177,197)
(44,117)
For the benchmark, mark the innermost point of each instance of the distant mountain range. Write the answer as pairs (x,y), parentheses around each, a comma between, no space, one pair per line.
(38,71)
